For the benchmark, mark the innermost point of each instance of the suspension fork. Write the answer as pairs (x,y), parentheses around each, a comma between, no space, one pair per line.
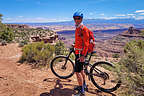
(64,66)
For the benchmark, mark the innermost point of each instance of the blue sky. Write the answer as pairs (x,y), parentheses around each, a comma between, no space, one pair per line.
(62,10)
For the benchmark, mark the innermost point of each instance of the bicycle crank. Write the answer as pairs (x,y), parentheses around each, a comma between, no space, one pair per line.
(63,67)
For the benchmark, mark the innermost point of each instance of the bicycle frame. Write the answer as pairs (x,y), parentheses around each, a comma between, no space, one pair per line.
(72,50)
(93,70)
(99,73)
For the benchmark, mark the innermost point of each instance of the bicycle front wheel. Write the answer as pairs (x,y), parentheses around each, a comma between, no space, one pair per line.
(104,76)
(62,67)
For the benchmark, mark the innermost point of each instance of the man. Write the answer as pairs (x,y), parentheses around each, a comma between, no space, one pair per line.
(81,49)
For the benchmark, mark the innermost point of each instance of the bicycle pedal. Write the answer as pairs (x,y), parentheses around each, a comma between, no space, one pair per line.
(86,89)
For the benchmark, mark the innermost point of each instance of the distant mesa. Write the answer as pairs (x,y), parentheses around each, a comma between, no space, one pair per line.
(132,32)
(17,26)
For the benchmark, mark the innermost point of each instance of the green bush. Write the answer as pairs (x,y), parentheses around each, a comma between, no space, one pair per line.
(22,34)
(6,33)
(116,55)
(60,48)
(3,43)
(132,69)
(142,32)
(38,54)
(22,43)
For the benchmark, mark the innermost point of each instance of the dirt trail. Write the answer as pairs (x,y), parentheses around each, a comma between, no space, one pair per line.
(21,80)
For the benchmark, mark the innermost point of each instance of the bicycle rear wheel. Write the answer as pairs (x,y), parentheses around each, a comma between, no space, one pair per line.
(62,67)
(104,76)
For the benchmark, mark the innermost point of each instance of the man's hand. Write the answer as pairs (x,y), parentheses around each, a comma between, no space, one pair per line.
(82,59)
(73,45)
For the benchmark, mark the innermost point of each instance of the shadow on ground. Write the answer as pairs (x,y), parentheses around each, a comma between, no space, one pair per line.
(99,93)
(58,88)
(60,91)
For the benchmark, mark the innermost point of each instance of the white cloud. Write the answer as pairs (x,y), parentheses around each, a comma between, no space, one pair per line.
(130,14)
(115,17)
(37,19)
(139,17)
(20,16)
(8,19)
(109,18)
(141,14)
(102,14)
(133,16)
(139,11)
(121,15)
(40,18)
(125,16)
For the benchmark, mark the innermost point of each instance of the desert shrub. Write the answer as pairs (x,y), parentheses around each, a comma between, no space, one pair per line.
(116,55)
(60,48)
(6,33)
(142,32)
(22,43)
(37,54)
(3,43)
(131,68)
(22,34)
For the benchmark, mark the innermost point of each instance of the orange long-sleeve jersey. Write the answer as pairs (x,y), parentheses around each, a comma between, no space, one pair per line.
(81,40)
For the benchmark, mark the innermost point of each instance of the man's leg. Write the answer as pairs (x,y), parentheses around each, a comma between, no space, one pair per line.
(83,75)
(84,81)
(80,88)
(79,78)
(78,69)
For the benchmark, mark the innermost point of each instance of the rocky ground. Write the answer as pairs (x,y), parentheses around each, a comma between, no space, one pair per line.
(21,80)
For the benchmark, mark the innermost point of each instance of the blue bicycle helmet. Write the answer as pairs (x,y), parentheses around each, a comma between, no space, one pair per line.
(80,14)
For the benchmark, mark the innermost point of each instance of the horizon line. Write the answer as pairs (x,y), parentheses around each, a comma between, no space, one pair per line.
(72,20)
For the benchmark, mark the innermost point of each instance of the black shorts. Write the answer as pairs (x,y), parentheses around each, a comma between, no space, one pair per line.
(78,65)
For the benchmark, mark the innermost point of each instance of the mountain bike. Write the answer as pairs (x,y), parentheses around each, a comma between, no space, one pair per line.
(102,74)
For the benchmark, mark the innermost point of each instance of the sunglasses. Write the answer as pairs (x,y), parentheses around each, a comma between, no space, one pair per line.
(77,18)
